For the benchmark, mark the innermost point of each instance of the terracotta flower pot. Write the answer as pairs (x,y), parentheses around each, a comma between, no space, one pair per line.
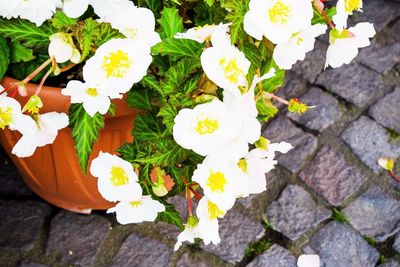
(53,172)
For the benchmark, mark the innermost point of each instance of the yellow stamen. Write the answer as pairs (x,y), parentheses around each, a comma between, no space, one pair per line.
(92,92)
(135,204)
(351,5)
(116,64)
(119,176)
(213,211)
(216,182)
(243,165)
(232,71)
(207,126)
(279,13)
(5,117)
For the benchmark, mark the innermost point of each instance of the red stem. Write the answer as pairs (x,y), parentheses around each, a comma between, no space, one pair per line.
(397,178)
(189,200)
(195,193)
(323,13)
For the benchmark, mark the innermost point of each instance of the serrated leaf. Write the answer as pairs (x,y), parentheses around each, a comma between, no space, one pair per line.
(26,32)
(139,98)
(272,84)
(178,48)
(4,57)
(127,151)
(170,215)
(318,18)
(209,2)
(87,35)
(22,70)
(147,128)
(252,54)
(237,9)
(168,114)
(85,132)
(176,74)
(170,23)
(266,109)
(60,20)
(19,53)
(176,174)
(151,82)
(191,84)
(167,154)
(106,33)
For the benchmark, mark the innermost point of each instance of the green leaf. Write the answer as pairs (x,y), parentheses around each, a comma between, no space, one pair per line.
(168,114)
(127,151)
(139,98)
(252,54)
(318,18)
(87,36)
(170,215)
(147,128)
(176,174)
(170,23)
(4,57)
(209,2)
(19,53)
(272,84)
(266,109)
(85,132)
(60,20)
(106,33)
(151,82)
(237,8)
(178,48)
(191,84)
(168,154)
(175,76)
(21,70)
(26,32)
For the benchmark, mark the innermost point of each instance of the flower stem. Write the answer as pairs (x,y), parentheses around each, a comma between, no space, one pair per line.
(195,193)
(189,200)
(323,13)
(36,71)
(277,98)
(68,67)
(39,88)
(397,178)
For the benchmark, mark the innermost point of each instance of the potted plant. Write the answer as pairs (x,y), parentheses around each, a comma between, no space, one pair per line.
(196,78)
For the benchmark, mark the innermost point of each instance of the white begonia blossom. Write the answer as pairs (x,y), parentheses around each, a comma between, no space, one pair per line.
(220,180)
(11,115)
(36,11)
(143,209)
(106,9)
(75,8)
(208,213)
(277,20)
(344,8)
(117,180)
(309,260)
(63,49)
(225,65)
(188,234)
(207,128)
(118,64)
(202,33)
(94,97)
(287,54)
(344,44)
(41,133)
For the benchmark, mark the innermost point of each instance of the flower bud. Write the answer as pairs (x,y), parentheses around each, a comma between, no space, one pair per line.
(192,221)
(386,163)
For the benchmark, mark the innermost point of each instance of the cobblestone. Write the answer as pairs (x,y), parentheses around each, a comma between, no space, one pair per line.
(304,144)
(332,177)
(77,238)
(27,263)
(386,111)
(187,260)
(237,231)
(396,245)
(369,141)
(275,256)
(353,82)
(339,245)
(294,213)
(382,211)
(325,113)
(21,223)
(390,263)
(138,251)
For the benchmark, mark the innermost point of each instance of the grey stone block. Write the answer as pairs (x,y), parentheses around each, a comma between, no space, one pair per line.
(390,263)
(295,212)
(369,141)
(275,256)
(76,237)
(355,83)
(332,177)
(386,111)
(139,251)
(21,223)
(339,245)
(396,245)
(237,231)
(325,113)
(304,144)
(188,260)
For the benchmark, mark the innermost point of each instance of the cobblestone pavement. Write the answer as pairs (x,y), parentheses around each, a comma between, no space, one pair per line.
(328,196)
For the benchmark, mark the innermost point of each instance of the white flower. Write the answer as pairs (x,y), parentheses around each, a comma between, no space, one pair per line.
(202,33)
(118,64)
(344,8)
(11,115)
(188,234)
(94,97)
(36,11)
(220,180)
(207,128)
(208,213)
(40,134)
(62,48)
(117,179)
(226,66)
(143,209)
(286,54)
(75,8)
(106,9)
(308,261)
(277,20)
(344,44)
